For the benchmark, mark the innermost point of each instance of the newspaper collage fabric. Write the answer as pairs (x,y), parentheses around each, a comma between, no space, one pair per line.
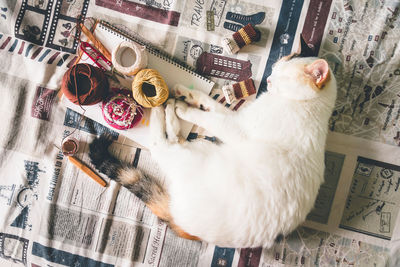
(52,214)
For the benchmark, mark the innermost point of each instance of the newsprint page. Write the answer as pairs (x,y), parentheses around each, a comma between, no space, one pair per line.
(53,215)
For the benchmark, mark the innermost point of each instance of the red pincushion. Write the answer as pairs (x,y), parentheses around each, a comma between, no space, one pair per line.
(121,111)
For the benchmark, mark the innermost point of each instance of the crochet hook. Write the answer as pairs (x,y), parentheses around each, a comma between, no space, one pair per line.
(82,166)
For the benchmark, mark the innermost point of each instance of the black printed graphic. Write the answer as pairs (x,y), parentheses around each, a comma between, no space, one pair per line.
(63,33)
(26,194)
(72,119)
(372,203)
(33,20)
(3,12)
(13,248)
(21,221)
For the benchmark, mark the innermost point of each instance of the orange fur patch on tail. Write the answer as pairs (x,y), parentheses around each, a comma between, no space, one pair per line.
(182,233)
(160,207)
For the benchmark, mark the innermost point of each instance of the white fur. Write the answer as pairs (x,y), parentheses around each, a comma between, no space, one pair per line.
(263,179)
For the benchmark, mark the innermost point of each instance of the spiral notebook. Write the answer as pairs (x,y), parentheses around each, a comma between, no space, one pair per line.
(172,72)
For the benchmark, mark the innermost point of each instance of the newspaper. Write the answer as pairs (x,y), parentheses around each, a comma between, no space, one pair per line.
(52,214)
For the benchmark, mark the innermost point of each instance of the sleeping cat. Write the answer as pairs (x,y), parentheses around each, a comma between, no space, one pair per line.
(260,181)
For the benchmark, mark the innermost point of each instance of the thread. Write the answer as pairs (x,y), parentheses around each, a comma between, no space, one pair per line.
(149,88)
(121,111)
(129,57)
(70,146)
(84,84)
(241,38)
(238,90)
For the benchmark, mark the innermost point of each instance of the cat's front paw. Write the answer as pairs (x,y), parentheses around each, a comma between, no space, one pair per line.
(192,97)
(157,114)
(172,124)
(157,124)
(178,91)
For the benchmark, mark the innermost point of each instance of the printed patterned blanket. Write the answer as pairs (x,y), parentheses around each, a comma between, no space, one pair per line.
(52,214)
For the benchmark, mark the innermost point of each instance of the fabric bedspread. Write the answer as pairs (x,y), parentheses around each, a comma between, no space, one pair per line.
(52,214)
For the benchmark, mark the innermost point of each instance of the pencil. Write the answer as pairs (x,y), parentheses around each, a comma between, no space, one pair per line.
(82,166)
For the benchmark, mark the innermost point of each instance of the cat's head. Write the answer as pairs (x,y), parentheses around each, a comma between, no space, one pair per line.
(301,78)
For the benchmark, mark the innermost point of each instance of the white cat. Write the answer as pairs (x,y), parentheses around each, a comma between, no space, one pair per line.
(258,183)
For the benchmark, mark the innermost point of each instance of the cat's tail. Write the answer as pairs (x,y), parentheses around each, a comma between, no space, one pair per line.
(149,190)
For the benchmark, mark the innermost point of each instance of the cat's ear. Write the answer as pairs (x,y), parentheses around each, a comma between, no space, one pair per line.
(319,72)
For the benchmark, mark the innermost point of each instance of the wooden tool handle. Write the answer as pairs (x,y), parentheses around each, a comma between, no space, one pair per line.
(95,42)
(87,170)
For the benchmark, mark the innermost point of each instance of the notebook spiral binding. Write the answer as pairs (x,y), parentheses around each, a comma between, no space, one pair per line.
(150,48)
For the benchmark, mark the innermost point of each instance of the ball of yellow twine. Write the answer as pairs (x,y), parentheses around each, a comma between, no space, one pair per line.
(154,78)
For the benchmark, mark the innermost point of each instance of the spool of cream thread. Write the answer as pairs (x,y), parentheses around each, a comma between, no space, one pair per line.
(129,57)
